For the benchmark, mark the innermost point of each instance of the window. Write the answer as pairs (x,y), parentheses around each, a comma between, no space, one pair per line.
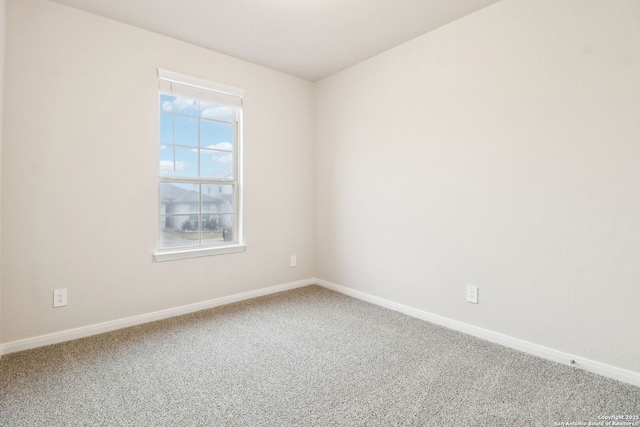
(200,176)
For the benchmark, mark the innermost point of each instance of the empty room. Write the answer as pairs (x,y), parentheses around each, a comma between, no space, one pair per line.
(319,213)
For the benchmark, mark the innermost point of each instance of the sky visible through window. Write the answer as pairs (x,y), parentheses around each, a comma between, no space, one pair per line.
(196,145)
(196,138)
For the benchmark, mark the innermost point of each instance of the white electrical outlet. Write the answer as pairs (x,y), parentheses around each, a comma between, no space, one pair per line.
(472,294)
(293,261)
(59,297)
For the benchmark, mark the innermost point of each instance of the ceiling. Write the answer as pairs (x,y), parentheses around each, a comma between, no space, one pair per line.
(311,39)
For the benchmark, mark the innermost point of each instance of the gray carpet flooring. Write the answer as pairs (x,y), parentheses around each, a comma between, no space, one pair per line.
(307,357)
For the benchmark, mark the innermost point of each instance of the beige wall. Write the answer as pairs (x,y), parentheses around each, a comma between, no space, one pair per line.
(80,143)
(500,150)
(503,151)
(3,8)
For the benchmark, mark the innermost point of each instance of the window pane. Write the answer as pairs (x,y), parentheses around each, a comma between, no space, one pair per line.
(178,161)
(166,102)
(185,130)
(211,230)
(217,229)
(178,198)
(216,164)
(217,198)
(216,136)
(198,148)
(217,112)
(187,106)
(166,128)
(179,231)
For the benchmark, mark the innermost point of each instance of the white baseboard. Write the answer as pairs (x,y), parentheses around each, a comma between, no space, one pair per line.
(85,331)
(505,340)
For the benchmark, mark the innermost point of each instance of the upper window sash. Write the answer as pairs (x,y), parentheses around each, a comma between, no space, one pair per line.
(194,88)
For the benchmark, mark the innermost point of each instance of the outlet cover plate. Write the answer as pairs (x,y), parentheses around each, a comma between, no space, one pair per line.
(472,294)
(59,297)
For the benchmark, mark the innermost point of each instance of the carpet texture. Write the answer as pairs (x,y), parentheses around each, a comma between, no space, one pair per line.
(306,357)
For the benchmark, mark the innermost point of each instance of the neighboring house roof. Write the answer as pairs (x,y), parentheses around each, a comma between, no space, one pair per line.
(171,192)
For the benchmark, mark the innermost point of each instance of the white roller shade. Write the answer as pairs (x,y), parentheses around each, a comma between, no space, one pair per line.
(189,87)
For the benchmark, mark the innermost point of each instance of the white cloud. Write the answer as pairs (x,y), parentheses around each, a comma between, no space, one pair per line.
(226,158)
(167,106)
(170,166)
(225,146)
(217,112)
(209,111)
(181,104)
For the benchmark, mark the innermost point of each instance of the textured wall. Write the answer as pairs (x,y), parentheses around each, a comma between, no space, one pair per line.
(80,175)
(3,26)
(502,151)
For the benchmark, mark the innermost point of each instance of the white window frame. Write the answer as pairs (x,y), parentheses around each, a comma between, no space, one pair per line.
(176,84)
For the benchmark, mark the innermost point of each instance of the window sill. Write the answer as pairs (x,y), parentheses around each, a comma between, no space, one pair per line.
(194,253)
